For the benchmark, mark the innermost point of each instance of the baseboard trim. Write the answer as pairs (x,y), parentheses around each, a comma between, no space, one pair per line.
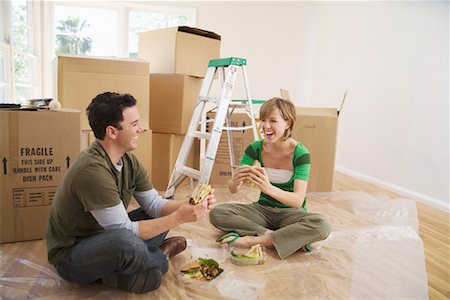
(396,189)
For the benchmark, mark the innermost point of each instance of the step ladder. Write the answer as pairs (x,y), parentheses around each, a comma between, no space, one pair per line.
(228,69)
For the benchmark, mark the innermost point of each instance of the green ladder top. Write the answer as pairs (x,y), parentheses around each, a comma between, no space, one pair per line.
(225,62)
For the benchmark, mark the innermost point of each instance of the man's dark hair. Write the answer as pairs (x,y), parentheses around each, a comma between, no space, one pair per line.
(106,109)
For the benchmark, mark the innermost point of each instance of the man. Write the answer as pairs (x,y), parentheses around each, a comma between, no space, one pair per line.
(90,236)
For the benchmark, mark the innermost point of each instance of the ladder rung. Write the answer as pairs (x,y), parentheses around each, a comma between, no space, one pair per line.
(189,172)
(237,128)
(201,135)
(211,99)
(238,105)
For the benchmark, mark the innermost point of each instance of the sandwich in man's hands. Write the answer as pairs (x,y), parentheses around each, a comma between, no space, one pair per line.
(199,194)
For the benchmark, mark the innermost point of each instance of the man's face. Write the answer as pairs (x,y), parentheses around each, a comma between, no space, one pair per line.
(127,137)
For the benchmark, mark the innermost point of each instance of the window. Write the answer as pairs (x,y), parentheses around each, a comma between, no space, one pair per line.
(18,81)
(85,30)
(72,27)
(110,29)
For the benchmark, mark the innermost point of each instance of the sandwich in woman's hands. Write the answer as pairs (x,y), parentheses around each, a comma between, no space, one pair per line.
(200,192)
(254,165)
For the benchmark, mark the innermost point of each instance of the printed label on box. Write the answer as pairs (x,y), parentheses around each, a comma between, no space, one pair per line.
(28,197)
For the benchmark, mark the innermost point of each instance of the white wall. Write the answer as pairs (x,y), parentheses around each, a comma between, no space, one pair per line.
(392,57)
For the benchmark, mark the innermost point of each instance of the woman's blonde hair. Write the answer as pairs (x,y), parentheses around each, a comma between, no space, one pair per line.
(287,111)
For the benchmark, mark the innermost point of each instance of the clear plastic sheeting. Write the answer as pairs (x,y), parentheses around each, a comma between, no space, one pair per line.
(373,252)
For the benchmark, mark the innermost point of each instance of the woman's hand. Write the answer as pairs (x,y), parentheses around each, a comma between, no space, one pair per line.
(259,176)
(240,174)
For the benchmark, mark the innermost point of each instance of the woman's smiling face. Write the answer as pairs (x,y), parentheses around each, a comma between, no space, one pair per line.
(274,126)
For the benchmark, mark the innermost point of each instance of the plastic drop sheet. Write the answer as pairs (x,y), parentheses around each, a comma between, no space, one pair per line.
(373,252)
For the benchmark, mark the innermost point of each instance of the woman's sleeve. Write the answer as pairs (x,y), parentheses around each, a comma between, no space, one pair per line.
(302,164)
(250,155)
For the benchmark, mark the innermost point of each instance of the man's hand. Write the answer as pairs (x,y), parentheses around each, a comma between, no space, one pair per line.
(176,212)
(187,212)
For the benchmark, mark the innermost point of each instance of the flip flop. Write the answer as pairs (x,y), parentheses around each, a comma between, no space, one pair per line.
(233,234)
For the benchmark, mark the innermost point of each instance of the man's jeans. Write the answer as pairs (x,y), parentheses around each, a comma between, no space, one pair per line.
(113,251)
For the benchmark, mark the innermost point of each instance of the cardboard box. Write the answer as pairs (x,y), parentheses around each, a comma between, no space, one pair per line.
(173,99)
(166,148)
(81,78)
(221,172)
(316,128)
(36,149)
(143,151)
(182,50)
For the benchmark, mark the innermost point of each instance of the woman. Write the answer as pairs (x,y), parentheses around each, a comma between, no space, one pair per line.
(279,217)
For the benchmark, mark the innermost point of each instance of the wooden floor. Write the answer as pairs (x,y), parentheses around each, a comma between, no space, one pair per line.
(434,229)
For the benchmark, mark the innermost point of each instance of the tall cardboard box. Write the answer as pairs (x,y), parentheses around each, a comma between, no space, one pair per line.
(36,149)
(221,172)
(166,148)
(316,128)
(182,50)
(143,151)
(173,98)
(81,78)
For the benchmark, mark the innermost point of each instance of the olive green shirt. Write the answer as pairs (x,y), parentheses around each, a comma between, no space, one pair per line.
(91,183)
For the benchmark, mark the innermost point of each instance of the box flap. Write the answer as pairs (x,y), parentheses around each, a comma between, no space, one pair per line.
(342,103)
(316,111)
(285,94)
(201,32)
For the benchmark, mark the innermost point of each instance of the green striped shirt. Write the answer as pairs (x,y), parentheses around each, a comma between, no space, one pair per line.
(300,161)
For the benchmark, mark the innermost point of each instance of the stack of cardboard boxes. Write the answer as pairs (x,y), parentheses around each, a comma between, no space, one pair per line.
(81,78)
(179,59)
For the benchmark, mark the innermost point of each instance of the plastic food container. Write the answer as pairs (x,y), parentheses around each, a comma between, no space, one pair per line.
(248,257)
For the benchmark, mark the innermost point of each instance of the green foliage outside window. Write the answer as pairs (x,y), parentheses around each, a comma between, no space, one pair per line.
(69,40)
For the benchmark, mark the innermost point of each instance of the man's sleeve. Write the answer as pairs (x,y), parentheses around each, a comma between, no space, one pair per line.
(151,202)
(115,217)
